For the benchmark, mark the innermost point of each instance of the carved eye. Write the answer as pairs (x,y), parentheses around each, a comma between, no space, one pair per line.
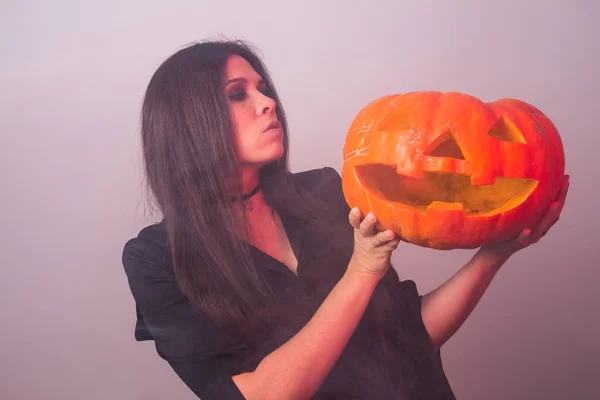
(506,131)
(446,147)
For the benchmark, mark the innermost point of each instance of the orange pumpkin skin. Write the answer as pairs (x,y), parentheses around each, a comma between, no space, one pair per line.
(447,171)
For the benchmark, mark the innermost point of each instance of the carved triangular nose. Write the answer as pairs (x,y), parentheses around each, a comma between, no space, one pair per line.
(447,148)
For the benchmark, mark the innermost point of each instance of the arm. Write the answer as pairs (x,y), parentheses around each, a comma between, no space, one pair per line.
(191,344)
(446,308)
(297,369)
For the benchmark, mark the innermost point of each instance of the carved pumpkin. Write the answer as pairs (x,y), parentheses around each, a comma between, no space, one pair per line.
(446,170)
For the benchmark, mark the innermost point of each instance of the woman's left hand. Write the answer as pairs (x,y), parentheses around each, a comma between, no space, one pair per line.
(532,235)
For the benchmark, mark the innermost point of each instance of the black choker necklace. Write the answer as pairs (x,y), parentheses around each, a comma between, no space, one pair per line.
(246,201)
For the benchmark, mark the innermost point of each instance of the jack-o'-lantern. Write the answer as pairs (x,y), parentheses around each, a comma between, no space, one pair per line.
(446,170)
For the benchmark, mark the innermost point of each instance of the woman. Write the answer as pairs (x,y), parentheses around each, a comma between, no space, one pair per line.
(262,284)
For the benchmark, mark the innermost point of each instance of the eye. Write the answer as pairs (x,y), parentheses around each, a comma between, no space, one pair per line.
(447,147)
(264,89)
(236,94)
(506,131)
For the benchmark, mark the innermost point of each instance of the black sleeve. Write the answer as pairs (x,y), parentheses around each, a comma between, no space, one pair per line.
(187,341)
(406,289)
(331,189)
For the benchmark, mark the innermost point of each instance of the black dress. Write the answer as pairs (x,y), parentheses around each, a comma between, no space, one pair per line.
(389,356)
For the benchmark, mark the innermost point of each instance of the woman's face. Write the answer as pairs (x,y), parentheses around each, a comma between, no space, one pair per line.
(257,132)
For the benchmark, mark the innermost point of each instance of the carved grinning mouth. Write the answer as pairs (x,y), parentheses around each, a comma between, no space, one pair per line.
(446,191)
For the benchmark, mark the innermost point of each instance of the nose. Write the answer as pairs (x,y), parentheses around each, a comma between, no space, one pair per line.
(265,104)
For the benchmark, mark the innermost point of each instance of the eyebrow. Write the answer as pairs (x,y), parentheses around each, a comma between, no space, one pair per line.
(244,80)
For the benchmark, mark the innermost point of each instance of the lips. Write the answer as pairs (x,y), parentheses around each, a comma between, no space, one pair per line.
(273,125)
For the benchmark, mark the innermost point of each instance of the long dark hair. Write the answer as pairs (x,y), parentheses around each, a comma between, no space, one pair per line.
(188,155)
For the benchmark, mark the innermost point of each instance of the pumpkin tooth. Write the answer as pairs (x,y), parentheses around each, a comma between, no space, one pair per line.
(409,171)
(442,205)
(483,179)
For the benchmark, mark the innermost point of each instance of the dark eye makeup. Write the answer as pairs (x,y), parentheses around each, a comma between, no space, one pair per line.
(237,92)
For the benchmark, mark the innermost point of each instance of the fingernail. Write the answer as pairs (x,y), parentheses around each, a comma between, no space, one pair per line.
(371,217)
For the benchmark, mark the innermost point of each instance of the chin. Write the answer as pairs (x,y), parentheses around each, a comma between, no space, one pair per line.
(265,159)
(271,160)
(274,154)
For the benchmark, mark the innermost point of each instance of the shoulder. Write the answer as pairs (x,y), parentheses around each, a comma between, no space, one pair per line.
(148,267)
(324,183)
(148,250)
(155,234)
(315,179)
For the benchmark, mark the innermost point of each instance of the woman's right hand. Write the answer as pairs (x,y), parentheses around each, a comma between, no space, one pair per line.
(372,248)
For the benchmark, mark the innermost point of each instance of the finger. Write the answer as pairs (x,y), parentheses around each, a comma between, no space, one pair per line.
(564,189)
(549,219)
(367,226)
(560,201)
(386,237)
(392,244)
(553,212)
(560,198)
(524,238)
(354,217)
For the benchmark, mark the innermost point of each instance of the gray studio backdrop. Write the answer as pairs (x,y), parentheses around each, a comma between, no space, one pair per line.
(72,78)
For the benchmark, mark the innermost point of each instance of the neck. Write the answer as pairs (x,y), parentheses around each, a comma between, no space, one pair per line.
(250,179)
